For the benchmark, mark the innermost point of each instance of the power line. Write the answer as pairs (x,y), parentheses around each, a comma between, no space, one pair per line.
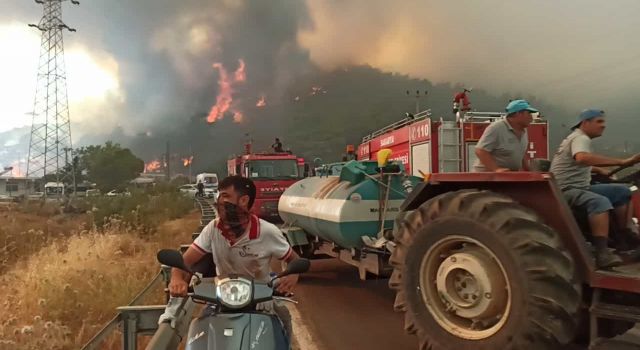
(51,126)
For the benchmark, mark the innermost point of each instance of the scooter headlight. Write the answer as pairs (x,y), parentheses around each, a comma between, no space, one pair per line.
(234,293)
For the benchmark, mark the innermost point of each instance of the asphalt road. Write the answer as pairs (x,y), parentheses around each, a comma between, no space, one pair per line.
(341,312)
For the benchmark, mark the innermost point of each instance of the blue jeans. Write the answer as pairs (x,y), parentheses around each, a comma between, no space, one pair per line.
(598,198)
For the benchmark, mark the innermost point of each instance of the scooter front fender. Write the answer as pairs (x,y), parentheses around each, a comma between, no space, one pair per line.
(242,331)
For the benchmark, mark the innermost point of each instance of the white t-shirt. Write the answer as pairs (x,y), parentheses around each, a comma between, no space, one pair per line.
(566,170)
(250,254)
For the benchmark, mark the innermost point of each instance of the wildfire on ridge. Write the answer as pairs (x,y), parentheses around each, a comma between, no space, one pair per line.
(187,161)
(261,102)
(224,100)
(152,166)
(315,90)
(240,74)
(238,117)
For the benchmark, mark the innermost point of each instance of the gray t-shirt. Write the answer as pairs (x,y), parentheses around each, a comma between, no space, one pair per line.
(568,172)
(501,141)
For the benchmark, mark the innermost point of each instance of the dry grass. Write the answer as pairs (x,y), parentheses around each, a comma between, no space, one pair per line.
(23,234)
(65,292)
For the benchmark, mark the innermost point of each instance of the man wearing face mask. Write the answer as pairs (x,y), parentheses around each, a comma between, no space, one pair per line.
(240,243)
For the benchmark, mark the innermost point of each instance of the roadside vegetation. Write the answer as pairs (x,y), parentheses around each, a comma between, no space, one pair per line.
(63,274)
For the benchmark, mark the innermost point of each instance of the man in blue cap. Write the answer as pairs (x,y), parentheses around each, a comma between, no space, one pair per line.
(503,144)
(572,166)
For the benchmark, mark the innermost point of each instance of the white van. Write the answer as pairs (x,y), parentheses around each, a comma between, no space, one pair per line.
(54,189)
(210,180)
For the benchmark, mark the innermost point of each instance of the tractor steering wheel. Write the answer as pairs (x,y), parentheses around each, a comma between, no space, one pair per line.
(615,171)
(633,177)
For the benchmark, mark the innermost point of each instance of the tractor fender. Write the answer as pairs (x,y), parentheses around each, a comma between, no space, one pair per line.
(537,191)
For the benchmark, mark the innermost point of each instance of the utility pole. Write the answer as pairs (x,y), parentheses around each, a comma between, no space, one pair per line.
(51,127)
(190,161)
(417,96)
(72,166)
(167,158)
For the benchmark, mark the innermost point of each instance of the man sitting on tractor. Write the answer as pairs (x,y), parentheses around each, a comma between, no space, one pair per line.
(572,166)
(503,144)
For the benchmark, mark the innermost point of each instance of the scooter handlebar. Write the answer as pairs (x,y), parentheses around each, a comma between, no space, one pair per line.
(280,294)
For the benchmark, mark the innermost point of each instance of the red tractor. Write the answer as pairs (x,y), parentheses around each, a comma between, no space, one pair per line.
(498,261)
(495,260)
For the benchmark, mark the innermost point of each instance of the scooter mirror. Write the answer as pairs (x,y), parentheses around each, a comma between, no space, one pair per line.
(172,258)
(299,265)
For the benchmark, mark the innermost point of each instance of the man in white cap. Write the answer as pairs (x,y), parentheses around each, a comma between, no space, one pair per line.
(572,166)
(503,144)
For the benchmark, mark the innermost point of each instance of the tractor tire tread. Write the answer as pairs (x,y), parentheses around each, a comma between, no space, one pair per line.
(553,296)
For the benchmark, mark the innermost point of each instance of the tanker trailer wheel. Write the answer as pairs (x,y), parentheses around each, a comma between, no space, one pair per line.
(476,270)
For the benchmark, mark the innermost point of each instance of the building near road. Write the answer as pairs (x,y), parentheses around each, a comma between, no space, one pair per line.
(16,186)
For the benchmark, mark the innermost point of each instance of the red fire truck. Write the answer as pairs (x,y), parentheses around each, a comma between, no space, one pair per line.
(272,173)
(427,145)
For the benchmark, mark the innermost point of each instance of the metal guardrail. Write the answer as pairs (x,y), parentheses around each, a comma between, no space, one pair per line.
(143,319)
(106,331)
(168,337)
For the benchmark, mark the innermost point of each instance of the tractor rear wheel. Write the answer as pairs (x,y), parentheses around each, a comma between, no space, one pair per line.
(476,270)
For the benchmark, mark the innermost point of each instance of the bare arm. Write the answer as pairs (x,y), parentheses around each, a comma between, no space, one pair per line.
(599,161)
(293,256)
(600,171)
(287,284)
(190,257)
(487,160)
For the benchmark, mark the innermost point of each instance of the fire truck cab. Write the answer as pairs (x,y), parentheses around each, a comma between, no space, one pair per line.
(427,145)
(272,173)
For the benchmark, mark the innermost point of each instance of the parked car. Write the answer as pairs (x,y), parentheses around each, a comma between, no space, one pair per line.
(118,193)
(93,192)
(191,190)
(211,193)
(35,195)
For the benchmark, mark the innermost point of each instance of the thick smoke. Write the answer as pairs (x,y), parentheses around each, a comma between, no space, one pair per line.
(568,53)
(166,52)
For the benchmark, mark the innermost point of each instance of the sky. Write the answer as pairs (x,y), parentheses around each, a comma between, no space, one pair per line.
(145,66)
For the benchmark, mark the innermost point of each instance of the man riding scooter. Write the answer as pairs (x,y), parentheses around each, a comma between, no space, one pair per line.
(240,243)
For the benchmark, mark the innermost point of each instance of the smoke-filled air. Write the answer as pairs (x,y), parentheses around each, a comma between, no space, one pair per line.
(146,72)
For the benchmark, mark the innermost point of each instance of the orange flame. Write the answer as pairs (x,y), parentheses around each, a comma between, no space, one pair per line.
(238,117)
(316,90)
(224,100)
(240,75)
(261,102)
(152,166)
(16,171)
(187,161)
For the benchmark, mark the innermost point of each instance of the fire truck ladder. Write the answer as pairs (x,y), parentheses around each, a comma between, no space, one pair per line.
(449,145)
(487,116)
(397,125)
